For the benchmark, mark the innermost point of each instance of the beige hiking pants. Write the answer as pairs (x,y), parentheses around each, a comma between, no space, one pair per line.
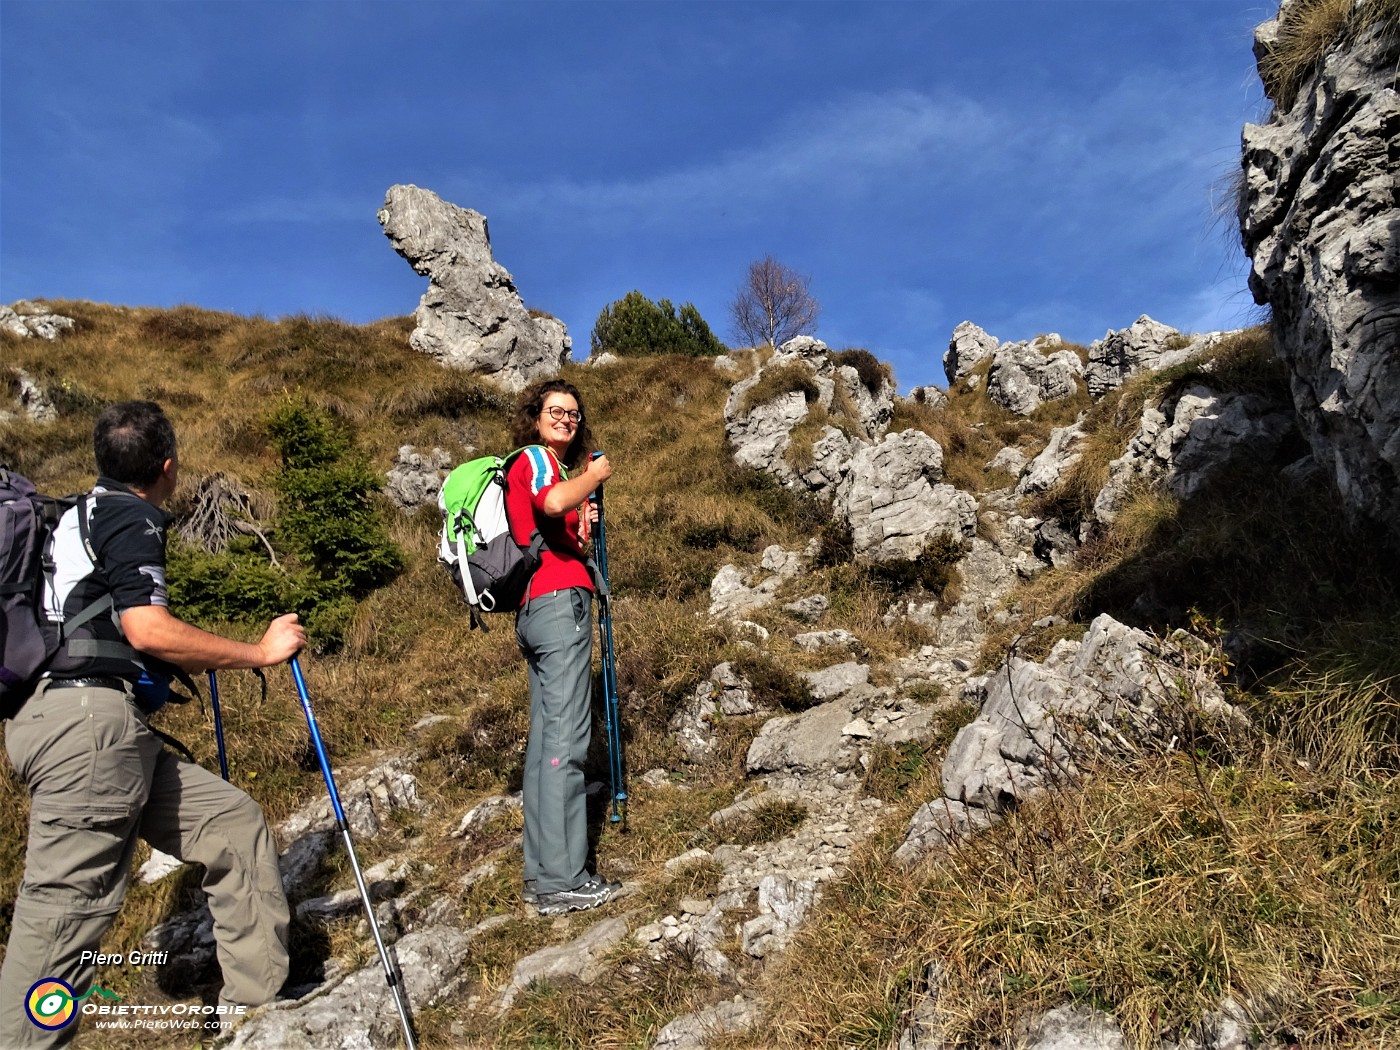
(98,778)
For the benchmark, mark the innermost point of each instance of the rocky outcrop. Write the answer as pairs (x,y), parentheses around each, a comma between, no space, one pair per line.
(725,693)
(471,316)
(415,478)
(1144,346)
(31,398)
(734,592)
(1060,453)
(968,347)
(1024,375)
(27,319)
(895,501)
(761,434)
(1117,691)
(1193,436)
(1319,218)
(931,396)
(359,1011)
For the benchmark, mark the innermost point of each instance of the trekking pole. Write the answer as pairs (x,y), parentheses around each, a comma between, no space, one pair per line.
(218,723)
(611,715)
(395,979)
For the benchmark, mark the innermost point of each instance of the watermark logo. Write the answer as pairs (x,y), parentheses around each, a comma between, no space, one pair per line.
(51,1004)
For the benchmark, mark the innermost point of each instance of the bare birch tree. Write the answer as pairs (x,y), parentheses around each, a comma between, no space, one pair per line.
(773,304)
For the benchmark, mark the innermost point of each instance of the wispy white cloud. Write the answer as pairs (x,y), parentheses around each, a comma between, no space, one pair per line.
(847,147)
(316,207)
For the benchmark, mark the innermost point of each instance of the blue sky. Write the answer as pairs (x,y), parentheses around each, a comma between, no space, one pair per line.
(1030,165)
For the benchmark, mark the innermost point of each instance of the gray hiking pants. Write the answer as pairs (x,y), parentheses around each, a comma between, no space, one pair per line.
(555,635)
(98,778)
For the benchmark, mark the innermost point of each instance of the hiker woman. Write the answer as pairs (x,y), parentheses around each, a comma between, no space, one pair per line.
(554,629)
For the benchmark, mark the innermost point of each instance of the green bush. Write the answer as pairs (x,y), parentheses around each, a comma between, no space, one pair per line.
(634,326)
(326,514)
(932,569)
(773,682)
(337,551)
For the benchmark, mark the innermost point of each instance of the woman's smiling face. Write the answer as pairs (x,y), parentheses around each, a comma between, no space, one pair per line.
(558,433)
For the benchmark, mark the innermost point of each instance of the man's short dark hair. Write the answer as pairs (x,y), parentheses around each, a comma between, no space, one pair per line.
(132,440)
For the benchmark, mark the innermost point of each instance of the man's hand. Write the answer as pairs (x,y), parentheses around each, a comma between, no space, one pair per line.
(282,640)
(153,629)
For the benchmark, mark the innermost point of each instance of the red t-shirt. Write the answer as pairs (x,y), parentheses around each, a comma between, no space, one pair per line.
(530,477)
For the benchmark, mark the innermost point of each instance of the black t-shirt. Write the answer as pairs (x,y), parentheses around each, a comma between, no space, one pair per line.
(128,537)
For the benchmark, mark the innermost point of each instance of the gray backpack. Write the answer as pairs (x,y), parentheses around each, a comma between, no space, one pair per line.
(28,639)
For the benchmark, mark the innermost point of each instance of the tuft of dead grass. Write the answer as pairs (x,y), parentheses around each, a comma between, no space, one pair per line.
(1308,30)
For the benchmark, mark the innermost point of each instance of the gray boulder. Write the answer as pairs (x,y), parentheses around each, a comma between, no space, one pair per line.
(415,479)
(28,319)
(810,742)
(838,680)
(1318,218)
(1144,346)
(967,348)
(471,316)
(694,1031)
(1060,453)
(895,502)
(932,396)
(581,959)
(1118,691)
(1023,376)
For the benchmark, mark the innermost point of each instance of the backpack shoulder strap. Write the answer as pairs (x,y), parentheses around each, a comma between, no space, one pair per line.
(88,647)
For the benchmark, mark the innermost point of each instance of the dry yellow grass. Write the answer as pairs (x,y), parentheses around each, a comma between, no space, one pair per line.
(1308,30)
(1151,892)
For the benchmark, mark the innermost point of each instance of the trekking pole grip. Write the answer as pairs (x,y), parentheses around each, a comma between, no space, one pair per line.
(596,494)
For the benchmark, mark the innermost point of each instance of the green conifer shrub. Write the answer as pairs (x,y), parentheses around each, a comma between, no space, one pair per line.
(336,549)
(634,326)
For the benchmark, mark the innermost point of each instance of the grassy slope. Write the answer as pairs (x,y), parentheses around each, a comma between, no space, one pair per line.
(1241,871)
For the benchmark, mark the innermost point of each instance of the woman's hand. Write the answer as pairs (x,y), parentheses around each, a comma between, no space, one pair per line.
(598,470)
(587,515)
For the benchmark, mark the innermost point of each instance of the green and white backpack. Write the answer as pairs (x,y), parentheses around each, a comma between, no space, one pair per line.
(476,544)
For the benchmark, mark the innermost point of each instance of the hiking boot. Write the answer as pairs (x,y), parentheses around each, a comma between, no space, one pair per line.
(597,890)
(529,894)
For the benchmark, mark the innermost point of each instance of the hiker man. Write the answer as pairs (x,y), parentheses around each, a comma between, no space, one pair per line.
(554,630)
(99,777)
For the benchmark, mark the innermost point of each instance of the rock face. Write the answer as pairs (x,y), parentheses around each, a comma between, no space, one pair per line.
(968,346)
(1023,375)
(1318,218)
(1144,346)
(471,316)
(894,498)
(1191,437)
(762,433)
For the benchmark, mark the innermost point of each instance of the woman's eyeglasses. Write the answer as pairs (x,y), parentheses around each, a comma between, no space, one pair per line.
(557,414)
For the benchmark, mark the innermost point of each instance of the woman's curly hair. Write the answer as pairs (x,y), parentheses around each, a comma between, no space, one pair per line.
(524,424)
